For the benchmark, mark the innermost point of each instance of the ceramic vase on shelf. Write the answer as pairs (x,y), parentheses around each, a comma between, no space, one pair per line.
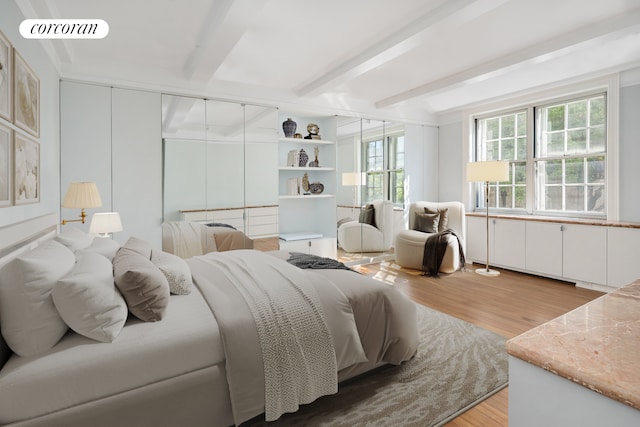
(289,128)
(303,158)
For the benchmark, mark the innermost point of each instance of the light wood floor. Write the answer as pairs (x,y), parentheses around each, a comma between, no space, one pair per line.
(508,305)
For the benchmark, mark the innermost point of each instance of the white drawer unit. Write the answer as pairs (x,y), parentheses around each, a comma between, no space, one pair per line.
(321,246)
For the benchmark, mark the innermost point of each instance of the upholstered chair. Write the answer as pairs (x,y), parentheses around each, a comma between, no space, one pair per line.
(355,236)
(409,244)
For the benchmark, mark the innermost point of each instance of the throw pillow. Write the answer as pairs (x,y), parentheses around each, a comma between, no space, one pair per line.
(74,238)
(142,284)
(140,246)
(103,246)
(427,223)
(367,215)
(175,269)
(443,223)
(30,322)
(88,300)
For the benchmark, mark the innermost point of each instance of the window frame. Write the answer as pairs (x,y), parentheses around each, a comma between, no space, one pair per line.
(385,172)
(608,85)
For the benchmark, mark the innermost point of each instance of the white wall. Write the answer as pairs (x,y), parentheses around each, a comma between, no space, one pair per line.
(629,152)
(35,56)
(450,161)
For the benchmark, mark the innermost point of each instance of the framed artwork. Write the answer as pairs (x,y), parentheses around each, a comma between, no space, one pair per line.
(6,71)
(26,170)
(26,96)
(6,182)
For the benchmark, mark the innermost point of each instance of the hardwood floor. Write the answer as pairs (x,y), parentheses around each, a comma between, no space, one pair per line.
(509,305)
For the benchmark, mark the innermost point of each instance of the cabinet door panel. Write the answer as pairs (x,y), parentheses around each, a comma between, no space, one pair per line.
(509,243)
(622,256)
(585,253)
(544,248)
(476,240)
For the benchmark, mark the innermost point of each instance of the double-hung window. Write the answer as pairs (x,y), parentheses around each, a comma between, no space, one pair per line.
(557,156)
(383,160)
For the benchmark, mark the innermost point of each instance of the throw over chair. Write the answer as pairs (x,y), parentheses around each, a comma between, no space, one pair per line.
(355,236)
(409,244)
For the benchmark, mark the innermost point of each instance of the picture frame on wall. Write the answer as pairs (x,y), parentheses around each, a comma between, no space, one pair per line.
(26,95)
(6,73)
(6,175)
(26,167)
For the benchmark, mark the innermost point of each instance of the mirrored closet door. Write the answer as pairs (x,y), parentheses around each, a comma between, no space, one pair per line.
(219,167)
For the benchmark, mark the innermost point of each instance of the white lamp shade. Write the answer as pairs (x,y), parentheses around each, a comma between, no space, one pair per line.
(353,178)
(82,195)
(105,222)
(488,171)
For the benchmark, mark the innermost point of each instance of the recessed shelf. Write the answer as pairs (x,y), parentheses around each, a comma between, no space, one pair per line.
(303,141)
(305,168)
(308,196)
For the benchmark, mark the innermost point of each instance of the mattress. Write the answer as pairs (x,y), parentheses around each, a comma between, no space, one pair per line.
(185,341)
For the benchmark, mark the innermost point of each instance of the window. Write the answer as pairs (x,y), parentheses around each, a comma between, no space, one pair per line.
(384,165)
(570,156)
(563,173)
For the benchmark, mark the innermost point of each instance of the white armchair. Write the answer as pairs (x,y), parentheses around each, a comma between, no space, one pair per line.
(409,244)
(354,236)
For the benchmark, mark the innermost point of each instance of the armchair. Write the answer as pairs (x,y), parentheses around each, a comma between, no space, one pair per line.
(355,236)
(409,244)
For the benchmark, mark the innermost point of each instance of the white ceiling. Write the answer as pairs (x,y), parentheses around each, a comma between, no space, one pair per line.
(399,59)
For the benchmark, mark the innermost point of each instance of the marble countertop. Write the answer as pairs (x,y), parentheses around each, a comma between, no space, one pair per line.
(596,345)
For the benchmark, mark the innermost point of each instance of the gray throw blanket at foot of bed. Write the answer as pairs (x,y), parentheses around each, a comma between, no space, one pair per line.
(434,249)
(302,260)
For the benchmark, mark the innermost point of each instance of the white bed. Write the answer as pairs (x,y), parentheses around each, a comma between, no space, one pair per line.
(175,371)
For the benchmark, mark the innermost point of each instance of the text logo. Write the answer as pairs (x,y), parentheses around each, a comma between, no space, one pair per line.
(64,29)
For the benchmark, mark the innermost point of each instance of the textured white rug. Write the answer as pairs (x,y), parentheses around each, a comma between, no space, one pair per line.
(457,366)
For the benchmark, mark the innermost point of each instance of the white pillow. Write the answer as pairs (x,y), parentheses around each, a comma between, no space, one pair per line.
(74,238)
(87,298)
(175,269)
(104,246)
(30,322)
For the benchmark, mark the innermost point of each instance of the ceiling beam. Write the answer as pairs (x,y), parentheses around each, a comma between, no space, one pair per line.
(453,12)
(580,39)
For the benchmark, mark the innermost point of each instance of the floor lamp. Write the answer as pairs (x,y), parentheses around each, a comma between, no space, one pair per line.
(487,172)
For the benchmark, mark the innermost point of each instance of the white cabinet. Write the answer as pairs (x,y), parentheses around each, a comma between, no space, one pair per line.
(544,248)
(584,253)
(622,256)
(325,246)
(509,243)
(476,239)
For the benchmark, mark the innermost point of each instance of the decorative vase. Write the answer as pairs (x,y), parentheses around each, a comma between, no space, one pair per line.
(289,127)
(303,158)
(315,163)
(316,188)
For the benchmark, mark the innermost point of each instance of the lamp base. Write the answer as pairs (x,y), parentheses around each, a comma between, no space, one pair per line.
(487,272)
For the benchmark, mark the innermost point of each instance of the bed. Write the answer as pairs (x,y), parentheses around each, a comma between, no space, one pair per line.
(203,362)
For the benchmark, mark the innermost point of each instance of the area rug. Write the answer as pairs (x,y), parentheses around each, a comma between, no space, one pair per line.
(457,366)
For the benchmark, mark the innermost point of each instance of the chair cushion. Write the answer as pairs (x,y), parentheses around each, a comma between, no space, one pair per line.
(443,222)
(367,215)
(427,222)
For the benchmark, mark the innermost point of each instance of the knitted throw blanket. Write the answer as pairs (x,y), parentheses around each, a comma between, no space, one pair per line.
(297,349)
(434,249)
(302,260)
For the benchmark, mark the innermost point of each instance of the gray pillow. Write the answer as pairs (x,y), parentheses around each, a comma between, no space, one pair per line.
(142,284)
(443,222)
(175,269)
(140,246)
(427,223)
(88,300)
(367,215)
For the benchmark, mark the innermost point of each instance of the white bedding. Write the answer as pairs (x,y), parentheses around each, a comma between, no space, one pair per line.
(252,296)
(186,340)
